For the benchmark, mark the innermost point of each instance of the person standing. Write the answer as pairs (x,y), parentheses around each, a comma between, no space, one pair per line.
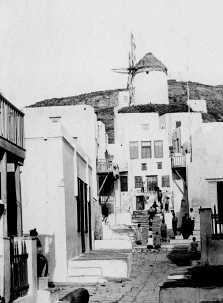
(174,223)
(186,226)
(139,235)
(163,230)
(192,220)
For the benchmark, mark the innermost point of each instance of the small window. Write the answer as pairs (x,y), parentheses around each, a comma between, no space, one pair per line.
(165,181)
(124,183)
(159,165)
(146,150)
(144,166)
(178,124)
(145,126)
(138,182)
(158,149)
(55,119)
(133,150)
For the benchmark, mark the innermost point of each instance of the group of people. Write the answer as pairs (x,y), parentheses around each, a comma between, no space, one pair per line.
(187,225)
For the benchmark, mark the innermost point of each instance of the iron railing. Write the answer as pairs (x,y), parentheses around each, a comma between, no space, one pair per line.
(19,269)
(11,123)
(217,223)
(178,161)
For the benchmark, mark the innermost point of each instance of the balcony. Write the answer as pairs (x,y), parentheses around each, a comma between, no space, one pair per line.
(104,166)
(178,161)
(11,127)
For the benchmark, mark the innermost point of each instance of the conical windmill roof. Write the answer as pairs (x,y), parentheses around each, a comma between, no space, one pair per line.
(149,61)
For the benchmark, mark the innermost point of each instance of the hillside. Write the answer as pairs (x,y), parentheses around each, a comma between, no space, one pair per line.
(105,101)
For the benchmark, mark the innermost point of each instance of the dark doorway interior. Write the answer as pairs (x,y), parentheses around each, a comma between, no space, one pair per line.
(11,205)
(140,203)
(220,199)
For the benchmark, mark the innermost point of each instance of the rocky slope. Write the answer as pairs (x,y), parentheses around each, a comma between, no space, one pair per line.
(105,101)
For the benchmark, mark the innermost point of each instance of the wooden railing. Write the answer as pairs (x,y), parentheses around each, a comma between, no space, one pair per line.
(178,161)
(11,123)
(19,269)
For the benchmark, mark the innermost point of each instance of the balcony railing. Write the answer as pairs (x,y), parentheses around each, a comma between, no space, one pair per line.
(104,166)
(11,123)
(19,268)
(178,161)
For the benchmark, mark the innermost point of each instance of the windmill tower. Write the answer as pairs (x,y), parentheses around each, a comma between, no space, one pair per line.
(147,79)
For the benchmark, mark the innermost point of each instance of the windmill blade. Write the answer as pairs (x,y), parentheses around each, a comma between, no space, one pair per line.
(121,70)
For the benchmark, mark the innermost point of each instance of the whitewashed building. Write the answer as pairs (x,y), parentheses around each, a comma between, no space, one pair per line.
(59,182)
(142,154)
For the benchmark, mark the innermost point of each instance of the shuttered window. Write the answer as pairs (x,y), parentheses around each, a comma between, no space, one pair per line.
(158,149)
(146,150)
(133,150)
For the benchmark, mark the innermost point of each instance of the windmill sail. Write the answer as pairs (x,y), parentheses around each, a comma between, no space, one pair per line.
(130,70)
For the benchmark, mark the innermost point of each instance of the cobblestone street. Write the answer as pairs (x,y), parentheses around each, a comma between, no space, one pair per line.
(148,271)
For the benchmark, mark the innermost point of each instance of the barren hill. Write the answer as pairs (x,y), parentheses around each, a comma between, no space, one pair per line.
(105,101)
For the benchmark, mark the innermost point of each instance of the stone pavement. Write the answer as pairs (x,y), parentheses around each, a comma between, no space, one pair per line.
(148,271)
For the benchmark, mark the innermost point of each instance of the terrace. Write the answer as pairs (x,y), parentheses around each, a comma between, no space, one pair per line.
(11,128)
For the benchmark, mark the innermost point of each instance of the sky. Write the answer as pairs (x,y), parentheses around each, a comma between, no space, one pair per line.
(57,48)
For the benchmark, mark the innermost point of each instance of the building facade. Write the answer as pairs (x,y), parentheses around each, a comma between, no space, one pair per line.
(59,183)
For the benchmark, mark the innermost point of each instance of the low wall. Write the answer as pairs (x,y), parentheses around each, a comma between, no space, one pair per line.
(190,294)
(215,252)
(211,249)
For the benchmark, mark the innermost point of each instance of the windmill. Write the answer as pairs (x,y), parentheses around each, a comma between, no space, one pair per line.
(130,70)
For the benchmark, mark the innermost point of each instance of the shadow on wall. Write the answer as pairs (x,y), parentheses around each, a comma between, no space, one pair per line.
(48,245)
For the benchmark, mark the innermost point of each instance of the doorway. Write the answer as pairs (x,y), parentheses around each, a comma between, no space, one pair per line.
(220,200)
(140,203)
(11,205)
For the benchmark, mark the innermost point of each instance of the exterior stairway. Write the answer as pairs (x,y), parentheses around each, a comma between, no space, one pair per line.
(141,217)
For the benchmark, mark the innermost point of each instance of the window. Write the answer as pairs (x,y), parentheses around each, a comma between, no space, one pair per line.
(145,126)
(146,151)
(178,124)
(133,149)
(138,182)
(124,183)
(152,182)
(158,149)
(144,166)
(165,181)
(159,165)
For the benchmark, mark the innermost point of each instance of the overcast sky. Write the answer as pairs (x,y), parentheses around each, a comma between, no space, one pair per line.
(55,48)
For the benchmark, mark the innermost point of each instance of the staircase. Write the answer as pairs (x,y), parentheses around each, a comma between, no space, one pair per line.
(141,217)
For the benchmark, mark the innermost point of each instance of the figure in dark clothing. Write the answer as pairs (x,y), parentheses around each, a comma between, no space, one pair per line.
(163,231)
(186,226)
(192,220)
(174,223)
(42,263)
(166,204)
(105,212)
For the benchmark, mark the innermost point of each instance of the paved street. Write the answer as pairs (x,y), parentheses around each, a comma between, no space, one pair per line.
(148,271)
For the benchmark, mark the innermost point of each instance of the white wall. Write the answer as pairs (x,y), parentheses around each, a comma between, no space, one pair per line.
(151,88)
(102,140)
(79,120)
(49,188)
(44,199)
(206,167)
